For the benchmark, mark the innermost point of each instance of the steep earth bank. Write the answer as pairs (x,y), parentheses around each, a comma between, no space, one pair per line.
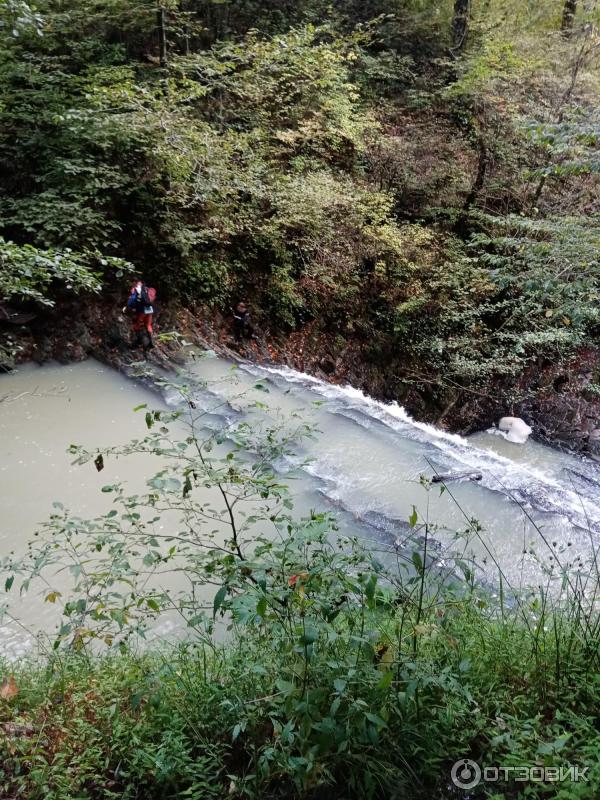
(559,402)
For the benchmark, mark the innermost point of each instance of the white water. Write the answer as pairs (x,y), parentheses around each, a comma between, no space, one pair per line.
(370,456)
(366,464)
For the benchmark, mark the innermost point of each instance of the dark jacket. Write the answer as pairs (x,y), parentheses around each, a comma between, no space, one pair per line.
(138,302)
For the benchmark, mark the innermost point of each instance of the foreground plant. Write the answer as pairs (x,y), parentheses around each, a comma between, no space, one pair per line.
(310,667)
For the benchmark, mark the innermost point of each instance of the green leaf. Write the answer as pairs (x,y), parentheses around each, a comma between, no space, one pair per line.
(261,606)
(8,583)
(380,723)
(309,636)
(417,561)
(219,598)
(285,687)
(386,680)
(370,587)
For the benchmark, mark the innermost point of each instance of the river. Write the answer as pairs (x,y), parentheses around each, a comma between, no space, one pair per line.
(365,464)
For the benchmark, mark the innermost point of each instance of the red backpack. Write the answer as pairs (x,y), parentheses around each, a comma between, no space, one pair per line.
(148,295)
(149,292)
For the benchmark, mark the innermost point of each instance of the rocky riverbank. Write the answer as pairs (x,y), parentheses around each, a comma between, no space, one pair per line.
(561,404)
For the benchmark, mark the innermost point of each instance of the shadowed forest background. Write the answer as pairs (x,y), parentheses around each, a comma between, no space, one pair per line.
(417,181)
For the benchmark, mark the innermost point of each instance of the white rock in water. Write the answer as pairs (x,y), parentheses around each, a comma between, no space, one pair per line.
(515,429)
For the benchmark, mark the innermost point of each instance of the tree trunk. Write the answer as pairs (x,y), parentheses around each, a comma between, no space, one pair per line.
(461,226)
(482,166)
(568,17)
(186,27)
(162,35)
(460,24)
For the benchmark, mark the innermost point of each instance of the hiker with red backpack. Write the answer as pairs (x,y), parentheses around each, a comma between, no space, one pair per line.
(141,304)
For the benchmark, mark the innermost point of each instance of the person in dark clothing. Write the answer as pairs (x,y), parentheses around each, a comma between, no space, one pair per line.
(241,322)
(140,304)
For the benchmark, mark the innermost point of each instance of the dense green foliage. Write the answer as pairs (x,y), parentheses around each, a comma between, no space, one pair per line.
(237,721)
(28,273)
(345,163)
(312,667)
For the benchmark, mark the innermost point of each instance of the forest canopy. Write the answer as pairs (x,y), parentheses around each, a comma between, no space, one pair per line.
(419,176)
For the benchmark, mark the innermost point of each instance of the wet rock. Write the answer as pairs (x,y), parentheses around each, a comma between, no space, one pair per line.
(43,349)
(82,338)
(14,316)
(327,366)
(117,335)
(515,428)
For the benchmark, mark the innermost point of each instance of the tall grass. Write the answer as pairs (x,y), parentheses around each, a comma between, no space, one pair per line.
(379,704)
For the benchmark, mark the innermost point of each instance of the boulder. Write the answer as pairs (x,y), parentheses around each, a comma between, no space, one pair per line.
(515,429)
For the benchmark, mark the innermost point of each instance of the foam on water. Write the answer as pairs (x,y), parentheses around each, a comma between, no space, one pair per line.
(526,484)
